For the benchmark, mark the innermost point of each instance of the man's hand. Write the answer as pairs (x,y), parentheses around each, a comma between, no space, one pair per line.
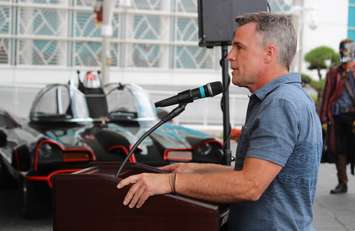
(143,186)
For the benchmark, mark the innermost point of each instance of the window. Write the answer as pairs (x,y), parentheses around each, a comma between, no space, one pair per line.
(161,34)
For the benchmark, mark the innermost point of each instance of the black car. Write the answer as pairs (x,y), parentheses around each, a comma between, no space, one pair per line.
(72,126)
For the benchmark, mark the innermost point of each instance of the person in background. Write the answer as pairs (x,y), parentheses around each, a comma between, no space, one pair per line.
(338,112)
(272,186)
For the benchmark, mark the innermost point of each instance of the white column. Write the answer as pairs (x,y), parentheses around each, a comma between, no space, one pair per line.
(108,6)
(165,32)
(27,26)
(128,34)
(63,27)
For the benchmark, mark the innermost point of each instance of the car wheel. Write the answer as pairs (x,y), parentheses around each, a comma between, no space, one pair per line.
(4,176)
(30,206)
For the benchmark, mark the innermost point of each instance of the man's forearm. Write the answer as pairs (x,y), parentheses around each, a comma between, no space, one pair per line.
(205,168)
(218,186)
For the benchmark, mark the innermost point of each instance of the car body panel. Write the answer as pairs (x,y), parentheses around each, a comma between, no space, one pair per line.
(70,127)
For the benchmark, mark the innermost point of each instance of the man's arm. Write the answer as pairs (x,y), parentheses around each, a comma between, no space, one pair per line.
(220,186)
(195,168)
(229,186)
(329,88)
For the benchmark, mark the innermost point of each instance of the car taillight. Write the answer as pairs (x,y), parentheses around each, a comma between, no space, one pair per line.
(70,156)
(183,155)
(48,151)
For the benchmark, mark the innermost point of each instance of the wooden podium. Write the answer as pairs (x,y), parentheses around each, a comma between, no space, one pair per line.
(88,200)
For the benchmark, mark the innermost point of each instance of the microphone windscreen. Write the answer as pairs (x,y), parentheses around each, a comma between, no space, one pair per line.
(214,88)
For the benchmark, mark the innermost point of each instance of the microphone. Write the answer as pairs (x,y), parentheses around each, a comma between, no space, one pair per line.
(188,96)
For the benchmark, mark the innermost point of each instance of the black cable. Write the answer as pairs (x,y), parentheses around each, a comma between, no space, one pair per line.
(175,112)
(226,126)
(268,7)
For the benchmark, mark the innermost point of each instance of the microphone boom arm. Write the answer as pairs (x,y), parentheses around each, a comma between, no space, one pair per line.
(175,112)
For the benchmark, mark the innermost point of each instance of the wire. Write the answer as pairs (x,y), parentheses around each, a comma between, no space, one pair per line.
(226,87)
(268,7)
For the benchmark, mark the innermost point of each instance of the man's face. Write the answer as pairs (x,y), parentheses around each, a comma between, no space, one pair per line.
(246,56)
(346,52)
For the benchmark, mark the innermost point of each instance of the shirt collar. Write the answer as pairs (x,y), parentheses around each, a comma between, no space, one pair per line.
(284,79)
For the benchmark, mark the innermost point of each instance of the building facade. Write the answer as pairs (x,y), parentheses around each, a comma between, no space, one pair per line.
(154,41)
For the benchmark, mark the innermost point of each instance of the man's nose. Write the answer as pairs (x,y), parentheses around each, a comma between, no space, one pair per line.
(230,56)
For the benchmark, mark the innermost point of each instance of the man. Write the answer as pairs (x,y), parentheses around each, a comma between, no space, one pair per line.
(338,113)
(273,184)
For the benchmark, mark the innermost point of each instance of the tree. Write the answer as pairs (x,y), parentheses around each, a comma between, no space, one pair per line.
(317,57)
(317,85)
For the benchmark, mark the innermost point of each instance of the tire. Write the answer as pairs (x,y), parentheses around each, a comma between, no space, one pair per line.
(5,178)
(30,204)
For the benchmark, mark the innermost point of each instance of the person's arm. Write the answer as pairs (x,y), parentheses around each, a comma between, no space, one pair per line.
(218,186)
(329,88)
(229,186)
(195,167)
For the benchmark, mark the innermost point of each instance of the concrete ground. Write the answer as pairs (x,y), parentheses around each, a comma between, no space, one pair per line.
(334,212)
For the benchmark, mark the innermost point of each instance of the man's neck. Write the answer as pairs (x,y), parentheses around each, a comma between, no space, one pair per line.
(269,75)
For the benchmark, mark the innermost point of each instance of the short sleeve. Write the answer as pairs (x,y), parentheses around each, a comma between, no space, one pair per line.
(275,132)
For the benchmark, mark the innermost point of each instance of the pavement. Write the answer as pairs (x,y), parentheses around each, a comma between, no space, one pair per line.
(334,212)
(331,212)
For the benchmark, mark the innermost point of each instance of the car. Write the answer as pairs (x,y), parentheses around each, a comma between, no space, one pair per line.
(73,126)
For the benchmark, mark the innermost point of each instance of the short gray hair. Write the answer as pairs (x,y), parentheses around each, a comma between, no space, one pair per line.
(276,28)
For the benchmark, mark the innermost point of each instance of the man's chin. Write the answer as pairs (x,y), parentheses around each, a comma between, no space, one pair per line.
(236,82)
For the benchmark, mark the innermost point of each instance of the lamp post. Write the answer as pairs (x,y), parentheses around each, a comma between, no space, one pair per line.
(104,14)
(300,11)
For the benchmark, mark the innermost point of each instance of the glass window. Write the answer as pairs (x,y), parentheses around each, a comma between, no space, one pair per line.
(160,34)
(52,101)
(147,4)
(186,6)
(4,48)
(4,20)
(190,57)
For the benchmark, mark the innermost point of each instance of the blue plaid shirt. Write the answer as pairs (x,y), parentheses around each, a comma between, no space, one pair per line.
(282,127)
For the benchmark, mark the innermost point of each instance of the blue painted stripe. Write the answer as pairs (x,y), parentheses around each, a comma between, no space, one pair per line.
(351,34)
(351,16)
(351,20)
(202,92)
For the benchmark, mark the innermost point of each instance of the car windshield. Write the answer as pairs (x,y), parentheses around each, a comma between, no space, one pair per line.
(60,102)
(129,100)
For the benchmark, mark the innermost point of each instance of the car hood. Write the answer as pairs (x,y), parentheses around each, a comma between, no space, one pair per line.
(168,135)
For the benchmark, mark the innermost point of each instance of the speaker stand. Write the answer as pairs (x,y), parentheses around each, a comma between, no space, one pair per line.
(225,105)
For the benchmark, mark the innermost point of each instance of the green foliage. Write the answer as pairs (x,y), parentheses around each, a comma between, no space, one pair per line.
(317,57)
(317,85)
(315,98)
(306,79)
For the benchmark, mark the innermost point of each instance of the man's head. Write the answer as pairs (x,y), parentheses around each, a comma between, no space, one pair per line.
(345,50)
(263,43)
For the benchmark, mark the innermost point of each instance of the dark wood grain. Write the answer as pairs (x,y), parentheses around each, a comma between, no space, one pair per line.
(89,200)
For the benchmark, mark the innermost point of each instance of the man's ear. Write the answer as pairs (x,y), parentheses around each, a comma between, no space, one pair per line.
(270,53)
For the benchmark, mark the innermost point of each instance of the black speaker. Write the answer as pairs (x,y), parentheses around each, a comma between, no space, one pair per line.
(216,19)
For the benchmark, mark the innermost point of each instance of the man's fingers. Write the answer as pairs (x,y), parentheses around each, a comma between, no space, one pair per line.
(128,196)
(127,181)
(142,199)
(138,191)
